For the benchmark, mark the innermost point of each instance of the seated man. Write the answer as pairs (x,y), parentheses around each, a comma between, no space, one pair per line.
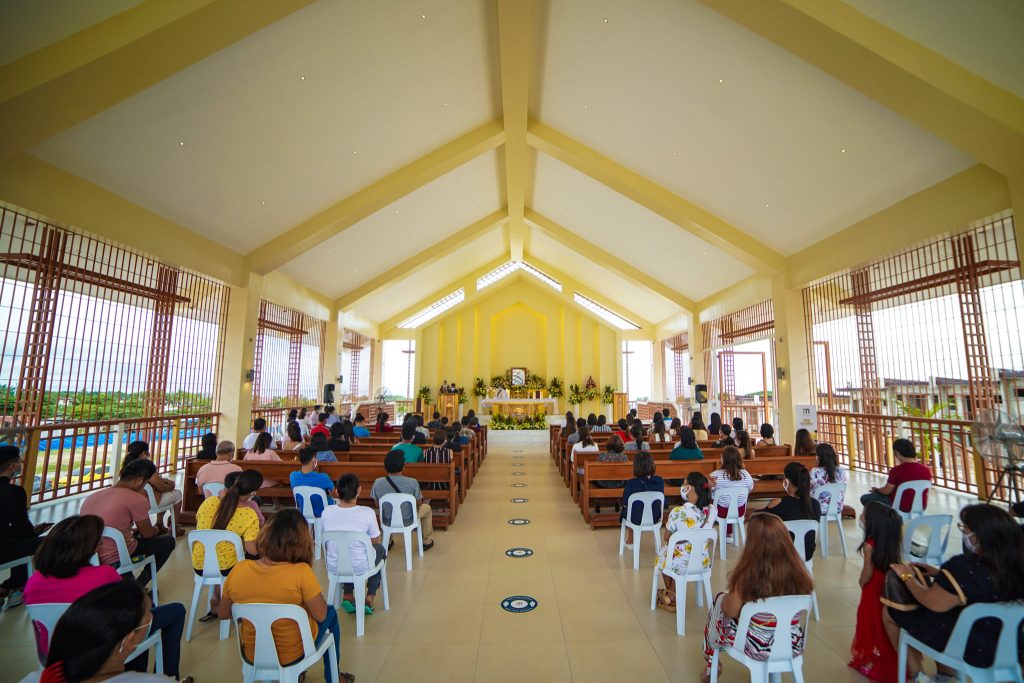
(123,505)
(412,452)
(259,426)
(360,430)
(466,433)
(321,427)
(435,421)
(308,476)
(908,468)
(348,515)
(394,482)
(217,471)
(18,538)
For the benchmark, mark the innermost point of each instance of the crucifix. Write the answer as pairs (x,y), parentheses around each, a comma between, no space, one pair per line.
(408,368)
(625,368)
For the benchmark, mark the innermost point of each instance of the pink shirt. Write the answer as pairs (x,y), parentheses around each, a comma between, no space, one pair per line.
(266,456)
(215,472)
(120,508)
(46,589)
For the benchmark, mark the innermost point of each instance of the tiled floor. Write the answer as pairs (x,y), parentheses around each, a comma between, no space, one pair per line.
(593,620)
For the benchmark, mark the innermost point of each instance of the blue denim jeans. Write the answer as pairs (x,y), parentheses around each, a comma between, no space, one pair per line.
(330,625)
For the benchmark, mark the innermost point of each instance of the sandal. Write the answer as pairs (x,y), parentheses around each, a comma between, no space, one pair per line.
(347,677)
(348,607)
(667,600)
(368,609)
(209,616)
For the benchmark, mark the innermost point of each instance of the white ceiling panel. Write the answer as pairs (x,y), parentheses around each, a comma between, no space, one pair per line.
(402,229)
(30,25)
(273,129)
(629,300)
(632,232)
(728,120)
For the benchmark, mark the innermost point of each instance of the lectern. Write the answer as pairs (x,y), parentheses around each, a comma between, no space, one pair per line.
(448,406)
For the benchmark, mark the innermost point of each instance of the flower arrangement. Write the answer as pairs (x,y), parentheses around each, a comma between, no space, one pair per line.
(463,399)
(535,382)
(590,393)
(479,387)
(424,393)
(499,382)
(508,422)
(575,395)
(608,394)
(555,388)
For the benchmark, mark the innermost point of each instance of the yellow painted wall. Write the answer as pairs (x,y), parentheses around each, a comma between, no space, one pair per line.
(518,324)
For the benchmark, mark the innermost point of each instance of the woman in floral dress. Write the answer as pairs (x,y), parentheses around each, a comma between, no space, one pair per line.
(696,512)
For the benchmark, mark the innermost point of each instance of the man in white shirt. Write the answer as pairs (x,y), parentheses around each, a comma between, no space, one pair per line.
(259,425)
(348,515)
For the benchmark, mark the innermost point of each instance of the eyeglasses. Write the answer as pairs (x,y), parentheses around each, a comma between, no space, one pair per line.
(964,529)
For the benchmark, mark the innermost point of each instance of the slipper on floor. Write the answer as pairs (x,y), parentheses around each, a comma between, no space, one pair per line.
(348,607)
(209,616)
(368,610)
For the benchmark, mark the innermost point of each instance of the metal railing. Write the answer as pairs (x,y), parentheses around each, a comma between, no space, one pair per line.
(68,458)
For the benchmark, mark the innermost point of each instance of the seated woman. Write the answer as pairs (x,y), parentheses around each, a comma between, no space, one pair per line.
(768,545)
(318,442)
(798,503)
(163,488)
(725,433)
(262,451)
(584,445)
(989,572)
(731,480)
(803,444)
(687,448)
(440,454)
(828,471)
(695,513)
(637,443)
(569,427)
(767,435)
(207,447)
(283,575)
(700,431)
(673,427)
(339,440)
(613,453)
(230,480)
(622,429)
(63,574)
(744,445)
(659,434)
(292,437)
(714,425)
(382,423)
(98,632)
(230,513)
(644,479)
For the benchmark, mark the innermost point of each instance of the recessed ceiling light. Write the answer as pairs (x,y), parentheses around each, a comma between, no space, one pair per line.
(585,106)
(606,20)
(843,150)
(354,152)
(263,203)
(766,205)
(675,154)
(721,80)
(423,16)
(302,78)
(181,143)
(396,210)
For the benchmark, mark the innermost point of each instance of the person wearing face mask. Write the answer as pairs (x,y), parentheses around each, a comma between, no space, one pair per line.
(992,572)
(18,537)
(798,503)
(695,513)
(230,513)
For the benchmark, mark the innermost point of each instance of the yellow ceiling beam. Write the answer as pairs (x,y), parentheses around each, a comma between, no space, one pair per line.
(605,259)
(56,195)
(948,206)
(656,198)
(60,85)
(928,89)
(423,259)
(341,216)
(515,33)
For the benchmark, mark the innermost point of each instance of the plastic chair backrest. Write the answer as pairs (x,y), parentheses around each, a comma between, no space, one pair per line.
(212,489)
(919,487)
(835,493)
(702,544)
(209,538)
(393,502)
(262,617)
(152,497)
(938,527)
(734,493)
(304,496)
(123,556)
(44,618)
(784,608)
(1009,613)
(800,528)
(647,499)
(342,542)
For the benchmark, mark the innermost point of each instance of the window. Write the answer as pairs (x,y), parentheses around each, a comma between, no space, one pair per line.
(506,269)
(399,367)
(435,309)
(637,369)
(604,313)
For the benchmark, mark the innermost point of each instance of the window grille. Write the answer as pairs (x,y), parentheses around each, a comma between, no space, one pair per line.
(288,358)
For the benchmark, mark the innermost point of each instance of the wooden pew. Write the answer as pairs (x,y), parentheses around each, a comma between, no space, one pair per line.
(675,469)
(368,472)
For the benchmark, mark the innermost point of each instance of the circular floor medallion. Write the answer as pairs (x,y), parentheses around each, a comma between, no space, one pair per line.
(519,604)
(518,521)
(519,500)
(519,552)
(518,486)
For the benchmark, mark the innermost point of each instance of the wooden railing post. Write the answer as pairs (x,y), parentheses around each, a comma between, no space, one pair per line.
(889,457)
(175,435)
(28,470)
(979,476)
(851,443)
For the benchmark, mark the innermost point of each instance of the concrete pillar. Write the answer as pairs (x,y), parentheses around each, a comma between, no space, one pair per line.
(658,381)
(790,355)
(331,366)
(239,351)
(695,341)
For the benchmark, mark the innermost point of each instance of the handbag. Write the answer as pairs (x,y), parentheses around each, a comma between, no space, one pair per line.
(896,595)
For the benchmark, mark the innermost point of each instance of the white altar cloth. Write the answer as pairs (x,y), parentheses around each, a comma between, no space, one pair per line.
(551,404)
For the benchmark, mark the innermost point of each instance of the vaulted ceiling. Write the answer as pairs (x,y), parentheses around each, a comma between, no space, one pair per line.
(656,151)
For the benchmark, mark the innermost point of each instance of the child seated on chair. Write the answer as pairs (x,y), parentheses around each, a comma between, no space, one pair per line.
(695,513)
(349,515)
(308,476)
(644,479)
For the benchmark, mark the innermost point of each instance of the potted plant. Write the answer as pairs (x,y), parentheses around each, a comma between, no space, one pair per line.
(423,397)
(555,388)
(575,396)
(608,394)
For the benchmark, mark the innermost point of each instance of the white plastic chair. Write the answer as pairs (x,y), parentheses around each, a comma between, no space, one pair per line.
(124,559)
(44,617)
(1005,667)
(27,561)
(938,527)
(209,538)
(158,509)
(780,657)
(917,507)
(395,501)
(265,665)
(832,512)
(304,496)
(800,528)
(647,522)
(212,489)
(340,541)
(699,540)
(733,516)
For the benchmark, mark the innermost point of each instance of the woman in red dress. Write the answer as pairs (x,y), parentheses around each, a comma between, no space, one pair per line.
(871,653)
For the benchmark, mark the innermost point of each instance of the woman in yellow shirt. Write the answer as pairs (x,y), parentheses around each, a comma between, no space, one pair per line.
(283,576)
(230,513)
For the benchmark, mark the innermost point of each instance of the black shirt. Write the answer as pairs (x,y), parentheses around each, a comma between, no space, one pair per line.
(339,445)
(791,509)
(14,521)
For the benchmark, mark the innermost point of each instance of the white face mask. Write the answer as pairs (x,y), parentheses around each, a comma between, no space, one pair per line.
(969,544)
(785,486)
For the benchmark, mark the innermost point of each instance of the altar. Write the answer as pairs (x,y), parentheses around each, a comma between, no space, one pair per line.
(519,407)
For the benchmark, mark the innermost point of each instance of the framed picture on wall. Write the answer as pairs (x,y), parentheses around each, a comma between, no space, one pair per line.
(518,376)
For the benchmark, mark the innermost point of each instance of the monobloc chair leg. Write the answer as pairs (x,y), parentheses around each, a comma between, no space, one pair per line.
(654,589)
(842,536)
(384,587)
(823,533)
(407,542)
(419,538)
(681,607)
(638,536)
(622,537)
(359,590)
(192,611)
